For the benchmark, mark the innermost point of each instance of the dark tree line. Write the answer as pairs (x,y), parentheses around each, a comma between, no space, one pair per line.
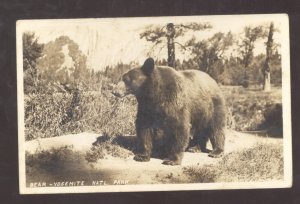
(208,54)
(267,66)
(46,63)
(32,51)
(158,35)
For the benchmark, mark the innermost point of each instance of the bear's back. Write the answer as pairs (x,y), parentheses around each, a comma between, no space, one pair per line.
(200,80)
(193,80)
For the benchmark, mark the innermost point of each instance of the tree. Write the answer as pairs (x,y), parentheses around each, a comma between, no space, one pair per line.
(55,66)
(209,54)
(251,35)
(171,45)
(158,34)
(267,68)
(276,69)
(32,51)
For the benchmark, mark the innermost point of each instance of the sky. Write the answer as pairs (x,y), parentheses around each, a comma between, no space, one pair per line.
(108,41)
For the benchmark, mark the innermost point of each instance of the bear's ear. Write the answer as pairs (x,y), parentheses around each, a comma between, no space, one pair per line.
(148,65)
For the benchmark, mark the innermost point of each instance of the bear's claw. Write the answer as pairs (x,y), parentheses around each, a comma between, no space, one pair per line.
(141,158)
(197,149)
(194,149)
(169,162)
(216,153)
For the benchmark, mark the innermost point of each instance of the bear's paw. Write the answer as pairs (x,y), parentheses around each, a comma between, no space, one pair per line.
(141,158)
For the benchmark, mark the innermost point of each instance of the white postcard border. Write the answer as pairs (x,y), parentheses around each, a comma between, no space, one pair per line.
(286,100)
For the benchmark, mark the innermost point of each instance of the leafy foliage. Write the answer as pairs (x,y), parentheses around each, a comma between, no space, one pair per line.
(251,34)
(48,115)
(213,56)
(48,158)
(156,34)
(251,110)
(162,35)
(101,150)
(54,66)
(32,51)
(68,97)
(209,53)
(115,73)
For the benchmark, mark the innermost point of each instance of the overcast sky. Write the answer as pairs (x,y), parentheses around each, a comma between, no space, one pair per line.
(112,40)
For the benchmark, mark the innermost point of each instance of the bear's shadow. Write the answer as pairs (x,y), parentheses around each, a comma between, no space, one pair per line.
(130,143)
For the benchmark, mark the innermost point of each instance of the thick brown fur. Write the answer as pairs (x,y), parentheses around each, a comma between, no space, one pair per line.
(176,104)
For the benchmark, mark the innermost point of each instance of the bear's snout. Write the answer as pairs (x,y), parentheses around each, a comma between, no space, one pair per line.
(126,79)
(128,84)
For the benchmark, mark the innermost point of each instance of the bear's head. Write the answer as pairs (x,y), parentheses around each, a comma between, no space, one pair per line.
(135,79)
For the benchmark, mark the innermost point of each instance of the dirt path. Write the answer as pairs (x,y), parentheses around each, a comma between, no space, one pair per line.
(111,168)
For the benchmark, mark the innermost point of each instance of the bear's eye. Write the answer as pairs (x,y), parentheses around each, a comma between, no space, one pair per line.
(126,79)
(133,81)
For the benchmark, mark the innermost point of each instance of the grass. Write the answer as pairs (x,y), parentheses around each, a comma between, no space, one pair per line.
(50,160)
(61,164)
(254,110)
(50,114)
(100,150)
(55,114)
(263,162)
(58,113)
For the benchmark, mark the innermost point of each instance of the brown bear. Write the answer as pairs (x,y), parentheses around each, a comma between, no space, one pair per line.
(172,105)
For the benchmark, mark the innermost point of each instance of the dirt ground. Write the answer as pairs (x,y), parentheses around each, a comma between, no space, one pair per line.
(112,169)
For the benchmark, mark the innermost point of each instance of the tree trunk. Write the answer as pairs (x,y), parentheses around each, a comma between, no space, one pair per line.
(267,68)
(171,44)
(267,81)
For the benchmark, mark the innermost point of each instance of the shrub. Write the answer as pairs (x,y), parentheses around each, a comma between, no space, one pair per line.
(273,120)
(263,162)
(100,150)
(43,114)
(253,110)
(54,110)
(54,113)
(50,160)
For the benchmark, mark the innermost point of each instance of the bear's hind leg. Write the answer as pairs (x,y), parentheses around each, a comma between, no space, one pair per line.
(217,139)
(178,139)
(199,141)
(217,128)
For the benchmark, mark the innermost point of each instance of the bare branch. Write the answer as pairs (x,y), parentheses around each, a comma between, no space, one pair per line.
(182,46)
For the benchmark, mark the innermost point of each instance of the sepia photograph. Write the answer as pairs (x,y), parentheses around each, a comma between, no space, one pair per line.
(154,103)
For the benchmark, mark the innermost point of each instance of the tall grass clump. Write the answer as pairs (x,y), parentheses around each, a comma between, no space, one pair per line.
(117,146)
(54,113)
(100,151)
(263,162)
(52,160)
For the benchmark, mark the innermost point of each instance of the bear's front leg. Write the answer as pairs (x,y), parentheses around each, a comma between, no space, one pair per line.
(173,159)
(144,145)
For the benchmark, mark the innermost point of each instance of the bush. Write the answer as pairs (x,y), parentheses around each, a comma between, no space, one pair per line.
(263,162)
(54,113)
(116,146)
(50,160)
(58,164)
(254,110)
(99,151)
(43,114)
(273,120)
